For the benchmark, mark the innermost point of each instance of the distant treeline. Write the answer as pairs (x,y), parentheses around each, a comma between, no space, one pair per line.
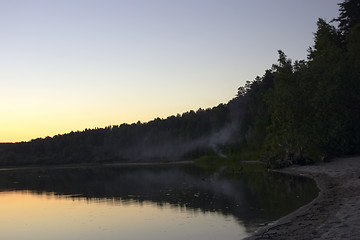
(189,135)
(299,111)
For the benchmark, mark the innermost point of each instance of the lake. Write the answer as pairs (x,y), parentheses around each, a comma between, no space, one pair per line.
(144,202)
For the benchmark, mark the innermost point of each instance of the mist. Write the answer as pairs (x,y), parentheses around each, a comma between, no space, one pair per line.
(176,148)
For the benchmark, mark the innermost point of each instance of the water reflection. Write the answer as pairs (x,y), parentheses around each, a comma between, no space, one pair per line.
(248,199)
(35,216)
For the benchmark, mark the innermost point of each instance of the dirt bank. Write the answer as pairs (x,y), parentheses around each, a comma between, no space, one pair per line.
(334,214)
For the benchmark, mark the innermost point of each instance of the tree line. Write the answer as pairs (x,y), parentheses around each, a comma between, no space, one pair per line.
(308,110)
(189,135)
(298,111)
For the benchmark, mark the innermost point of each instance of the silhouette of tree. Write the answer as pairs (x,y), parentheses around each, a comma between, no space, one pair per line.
(349,15)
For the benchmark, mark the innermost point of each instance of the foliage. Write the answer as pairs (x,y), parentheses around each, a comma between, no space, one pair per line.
(310,110)
(300,111)
(349,16)
(189,135)
(314,105)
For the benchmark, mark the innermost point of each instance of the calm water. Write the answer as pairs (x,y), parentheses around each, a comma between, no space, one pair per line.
(144,202)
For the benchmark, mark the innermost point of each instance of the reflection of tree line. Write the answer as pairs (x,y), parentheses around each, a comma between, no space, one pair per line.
(252,198)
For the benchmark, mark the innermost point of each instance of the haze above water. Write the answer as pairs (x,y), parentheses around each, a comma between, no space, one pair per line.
(147,202)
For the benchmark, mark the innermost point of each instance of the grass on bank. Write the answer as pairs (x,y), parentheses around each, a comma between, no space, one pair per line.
(246,161)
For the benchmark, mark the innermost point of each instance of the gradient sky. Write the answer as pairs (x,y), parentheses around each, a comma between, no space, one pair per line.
(74,64)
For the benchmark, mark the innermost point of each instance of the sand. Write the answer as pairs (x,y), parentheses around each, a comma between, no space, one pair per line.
(334,214)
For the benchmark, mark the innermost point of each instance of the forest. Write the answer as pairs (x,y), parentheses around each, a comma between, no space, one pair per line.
(297,112)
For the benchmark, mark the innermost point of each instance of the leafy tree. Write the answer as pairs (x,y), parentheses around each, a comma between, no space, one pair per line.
(349,15)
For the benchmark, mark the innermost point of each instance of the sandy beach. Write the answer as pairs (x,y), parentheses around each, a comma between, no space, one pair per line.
(334,214)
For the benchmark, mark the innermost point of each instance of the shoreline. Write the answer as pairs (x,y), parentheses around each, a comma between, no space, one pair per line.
(333,214)
(91,165)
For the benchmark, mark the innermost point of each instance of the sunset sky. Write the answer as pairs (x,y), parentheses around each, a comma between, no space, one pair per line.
(67,65)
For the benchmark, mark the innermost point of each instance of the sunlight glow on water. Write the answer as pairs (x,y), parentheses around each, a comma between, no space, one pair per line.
(27,215)
(144,202)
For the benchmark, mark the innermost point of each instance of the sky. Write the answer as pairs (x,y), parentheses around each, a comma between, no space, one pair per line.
(68,65)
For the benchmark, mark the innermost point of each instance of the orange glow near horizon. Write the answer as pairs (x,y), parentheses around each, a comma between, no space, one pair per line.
(28,128)
(34,117)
